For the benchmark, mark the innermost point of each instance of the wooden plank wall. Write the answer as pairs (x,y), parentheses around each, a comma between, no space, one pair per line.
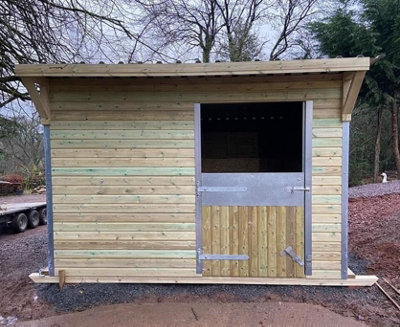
(123,169)
(259,232)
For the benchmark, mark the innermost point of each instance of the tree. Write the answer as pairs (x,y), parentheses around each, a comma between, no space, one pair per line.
(238,19)
(243,45)
(384,17)
(21,145)
(178,22)
(53,31)
(373,31)
(226,27)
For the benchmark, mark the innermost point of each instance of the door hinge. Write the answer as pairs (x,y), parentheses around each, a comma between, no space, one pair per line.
(224,257)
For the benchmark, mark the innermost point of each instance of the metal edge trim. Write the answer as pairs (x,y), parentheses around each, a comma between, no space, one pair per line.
(345,198)
(197,140)
(308,183)
(49,199)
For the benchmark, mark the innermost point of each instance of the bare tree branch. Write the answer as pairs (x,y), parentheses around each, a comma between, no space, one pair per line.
(292,13)
(49,31)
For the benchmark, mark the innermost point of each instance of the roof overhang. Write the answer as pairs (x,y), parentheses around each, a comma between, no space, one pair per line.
(195,69)
(36,77)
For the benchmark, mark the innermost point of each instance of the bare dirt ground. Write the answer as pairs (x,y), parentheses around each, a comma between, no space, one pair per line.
(201,314)
(374,229)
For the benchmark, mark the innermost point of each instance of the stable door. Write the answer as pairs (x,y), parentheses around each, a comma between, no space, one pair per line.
(253,193)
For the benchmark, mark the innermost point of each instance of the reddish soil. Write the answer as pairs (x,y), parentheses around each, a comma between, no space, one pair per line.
(374,233)
(374,243)
(20,254)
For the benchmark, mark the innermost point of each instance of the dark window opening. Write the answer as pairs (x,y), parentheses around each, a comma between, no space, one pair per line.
(252,137)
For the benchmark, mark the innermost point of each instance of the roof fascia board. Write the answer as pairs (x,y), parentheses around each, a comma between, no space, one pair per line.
(197,69)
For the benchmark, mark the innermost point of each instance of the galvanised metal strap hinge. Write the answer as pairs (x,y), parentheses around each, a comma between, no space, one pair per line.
(289,251)
(224,257)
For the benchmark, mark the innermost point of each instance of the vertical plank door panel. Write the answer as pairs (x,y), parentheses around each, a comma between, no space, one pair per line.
(261,233)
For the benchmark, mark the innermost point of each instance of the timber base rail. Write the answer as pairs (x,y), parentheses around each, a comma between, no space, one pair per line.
(353,280)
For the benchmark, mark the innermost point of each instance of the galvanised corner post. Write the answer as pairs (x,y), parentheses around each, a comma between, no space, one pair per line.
(345,197)
(49,199)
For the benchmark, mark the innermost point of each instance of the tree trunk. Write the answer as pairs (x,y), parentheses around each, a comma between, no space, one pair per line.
(206,56)
(395,134)
(378,144)
(207,47)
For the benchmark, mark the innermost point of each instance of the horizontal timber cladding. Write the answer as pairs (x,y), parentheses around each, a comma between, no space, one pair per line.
(326,197)
(123,169)
(124,181)
(123,162)
(123,227)
(262,233)
(128,199)
(128,171)
(122,134)
(126,190)
(123,144)
(122,245)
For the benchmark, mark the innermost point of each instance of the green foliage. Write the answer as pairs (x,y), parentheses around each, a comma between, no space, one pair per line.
(342,36)
(371,31)
(361,143)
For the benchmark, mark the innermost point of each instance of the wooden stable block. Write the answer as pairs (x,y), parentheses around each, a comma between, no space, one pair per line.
(124,169)
(357,281)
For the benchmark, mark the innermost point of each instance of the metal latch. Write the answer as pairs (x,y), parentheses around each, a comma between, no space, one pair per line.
(299,188)
(289,251)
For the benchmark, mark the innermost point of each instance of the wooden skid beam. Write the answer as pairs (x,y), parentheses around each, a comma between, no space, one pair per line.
(357,281)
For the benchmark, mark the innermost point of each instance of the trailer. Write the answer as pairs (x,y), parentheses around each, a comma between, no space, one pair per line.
(20,216)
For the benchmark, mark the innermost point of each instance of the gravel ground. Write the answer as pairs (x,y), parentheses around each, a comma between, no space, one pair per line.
(20,255)
(374,189)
